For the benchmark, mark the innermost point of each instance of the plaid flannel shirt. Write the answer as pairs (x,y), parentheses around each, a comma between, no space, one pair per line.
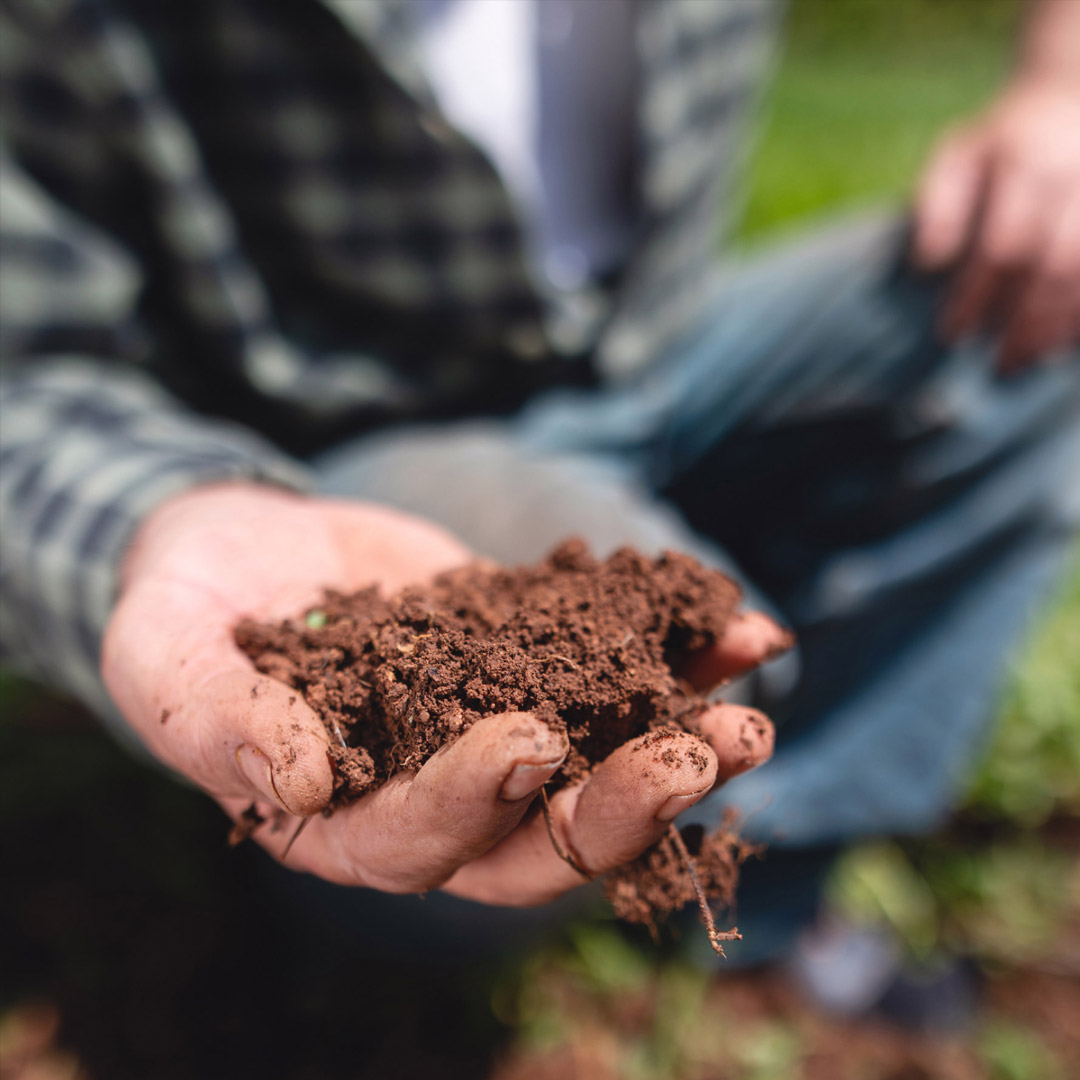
(235,229)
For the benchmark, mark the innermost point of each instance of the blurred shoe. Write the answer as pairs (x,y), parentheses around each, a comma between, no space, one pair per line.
(857,971)
(937,999)
(844,969)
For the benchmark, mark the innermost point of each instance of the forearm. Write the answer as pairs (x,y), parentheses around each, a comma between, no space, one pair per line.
(1050,41)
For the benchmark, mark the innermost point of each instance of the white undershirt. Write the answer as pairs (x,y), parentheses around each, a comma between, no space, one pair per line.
(546,89)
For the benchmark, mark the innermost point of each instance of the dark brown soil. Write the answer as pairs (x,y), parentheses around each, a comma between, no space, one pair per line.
(588,646)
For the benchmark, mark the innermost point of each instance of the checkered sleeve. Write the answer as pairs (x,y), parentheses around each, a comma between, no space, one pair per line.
(89,443)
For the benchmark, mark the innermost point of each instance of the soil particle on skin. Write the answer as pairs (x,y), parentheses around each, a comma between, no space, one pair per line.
(587,646)
(245,825)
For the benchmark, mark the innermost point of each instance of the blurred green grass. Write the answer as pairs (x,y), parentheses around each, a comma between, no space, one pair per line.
(863,89)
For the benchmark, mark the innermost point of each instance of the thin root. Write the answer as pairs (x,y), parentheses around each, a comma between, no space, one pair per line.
(295,836)
(716,937)
(559,850)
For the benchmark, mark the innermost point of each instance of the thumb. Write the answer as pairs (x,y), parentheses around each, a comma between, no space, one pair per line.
(246,734)
(194,699)
(250,735)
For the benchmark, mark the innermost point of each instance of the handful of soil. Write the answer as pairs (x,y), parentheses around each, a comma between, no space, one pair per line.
(592,648)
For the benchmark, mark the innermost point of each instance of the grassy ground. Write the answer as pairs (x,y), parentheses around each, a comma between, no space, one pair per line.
(132,938)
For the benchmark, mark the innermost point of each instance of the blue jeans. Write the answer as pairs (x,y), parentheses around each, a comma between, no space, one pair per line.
(904,509)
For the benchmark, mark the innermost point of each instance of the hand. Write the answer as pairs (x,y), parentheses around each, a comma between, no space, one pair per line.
(1000,204)
(208,557)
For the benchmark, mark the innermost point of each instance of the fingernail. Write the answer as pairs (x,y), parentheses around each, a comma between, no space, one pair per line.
(255,766)
(676,804)
(525,779)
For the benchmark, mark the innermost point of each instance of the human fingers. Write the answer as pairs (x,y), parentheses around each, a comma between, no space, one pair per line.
(1007,238)
(947,200)
(625,805)
(1047,317)
(412,833)
(741,738)
(171,666)
(750,639)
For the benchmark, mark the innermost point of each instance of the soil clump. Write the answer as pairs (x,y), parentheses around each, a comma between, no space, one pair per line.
(590,647)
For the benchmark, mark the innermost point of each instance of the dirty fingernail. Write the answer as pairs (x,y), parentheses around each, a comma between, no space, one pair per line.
(255,766)
(525,779)
(676,804)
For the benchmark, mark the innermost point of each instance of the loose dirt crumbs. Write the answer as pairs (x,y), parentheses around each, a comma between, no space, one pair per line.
(589,647)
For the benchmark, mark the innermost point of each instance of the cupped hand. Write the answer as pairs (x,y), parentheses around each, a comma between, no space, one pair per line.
(209,557)
(999,205)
